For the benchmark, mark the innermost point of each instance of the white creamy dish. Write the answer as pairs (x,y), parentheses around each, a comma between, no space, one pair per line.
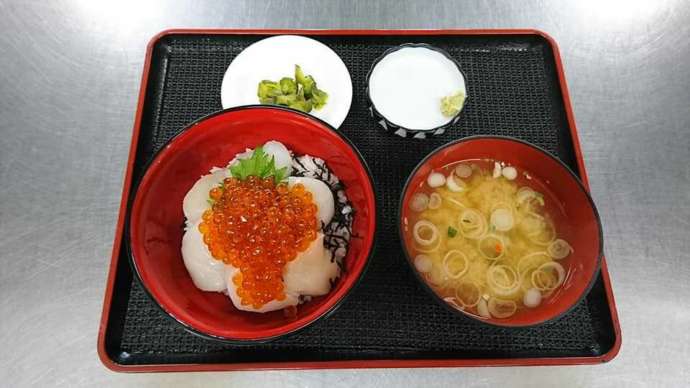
(407,87)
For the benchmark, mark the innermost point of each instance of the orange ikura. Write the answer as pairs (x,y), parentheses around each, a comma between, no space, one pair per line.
(259,226)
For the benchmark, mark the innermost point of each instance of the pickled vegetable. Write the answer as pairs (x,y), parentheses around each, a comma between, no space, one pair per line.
(300,93)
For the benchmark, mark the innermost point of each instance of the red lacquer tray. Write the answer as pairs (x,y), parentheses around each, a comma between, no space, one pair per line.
(517,88)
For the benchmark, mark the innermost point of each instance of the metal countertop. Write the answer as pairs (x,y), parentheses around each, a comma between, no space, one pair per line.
(69,78)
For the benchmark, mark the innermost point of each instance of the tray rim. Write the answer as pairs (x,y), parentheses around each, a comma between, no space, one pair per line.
(346,364)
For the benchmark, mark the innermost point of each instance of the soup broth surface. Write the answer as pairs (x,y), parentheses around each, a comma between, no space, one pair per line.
(488,238)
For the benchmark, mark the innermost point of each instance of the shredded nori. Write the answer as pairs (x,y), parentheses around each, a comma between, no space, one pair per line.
(338,232)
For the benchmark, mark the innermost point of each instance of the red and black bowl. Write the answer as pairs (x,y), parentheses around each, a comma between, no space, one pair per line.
(562,190)
(156,218)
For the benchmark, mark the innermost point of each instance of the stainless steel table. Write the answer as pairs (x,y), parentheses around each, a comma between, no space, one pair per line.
(69,74)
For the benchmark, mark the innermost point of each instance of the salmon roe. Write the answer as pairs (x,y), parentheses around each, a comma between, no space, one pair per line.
(258,227)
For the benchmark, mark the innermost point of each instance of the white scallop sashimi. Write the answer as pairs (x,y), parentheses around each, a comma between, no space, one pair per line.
(291,299)
(195,202)
(208,274)
(311,271)
(322,195)
(280,153)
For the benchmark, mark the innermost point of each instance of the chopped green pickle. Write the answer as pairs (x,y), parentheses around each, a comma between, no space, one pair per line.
(288,85)
(309,86)
(300,93)
(319,98)
(299,75)
(268,89)
(303,105)
(285,100)
(452,105)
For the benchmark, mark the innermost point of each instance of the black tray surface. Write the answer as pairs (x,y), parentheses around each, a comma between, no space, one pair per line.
(513,90)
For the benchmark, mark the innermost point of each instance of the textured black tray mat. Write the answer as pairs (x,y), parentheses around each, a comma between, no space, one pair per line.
(513,89)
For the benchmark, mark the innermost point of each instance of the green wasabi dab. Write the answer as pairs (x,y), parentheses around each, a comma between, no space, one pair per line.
(452,105)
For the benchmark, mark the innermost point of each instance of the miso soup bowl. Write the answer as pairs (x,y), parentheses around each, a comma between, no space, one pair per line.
(559,184)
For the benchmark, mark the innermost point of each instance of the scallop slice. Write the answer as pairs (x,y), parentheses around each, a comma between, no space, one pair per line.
(322,195)
(311,271)
(208,274)
(282,155)
(195,202)
(290,298)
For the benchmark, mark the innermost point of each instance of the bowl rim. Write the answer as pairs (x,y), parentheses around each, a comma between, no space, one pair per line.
(259,340)
(415,131)
(465,315)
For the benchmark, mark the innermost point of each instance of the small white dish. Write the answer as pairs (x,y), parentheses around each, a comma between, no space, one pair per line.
(406,85)
(274,58)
